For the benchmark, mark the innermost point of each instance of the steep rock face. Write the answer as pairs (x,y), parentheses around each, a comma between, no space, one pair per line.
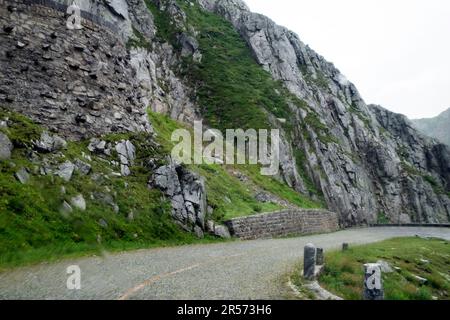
(437,127)
(160,87)
(419,181)
(76,82)
(186,192)
(91,81)
(362,173)
(365,160)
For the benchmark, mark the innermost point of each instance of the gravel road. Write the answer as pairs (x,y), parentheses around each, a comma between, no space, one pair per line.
(232,270)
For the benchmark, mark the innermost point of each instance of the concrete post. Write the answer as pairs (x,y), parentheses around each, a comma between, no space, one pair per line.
(373,284)
(309,261)
(319,257)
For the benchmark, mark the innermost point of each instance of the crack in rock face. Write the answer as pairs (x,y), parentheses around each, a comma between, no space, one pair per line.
(186,192)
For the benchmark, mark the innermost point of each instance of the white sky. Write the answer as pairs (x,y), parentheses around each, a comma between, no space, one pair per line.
(397,52)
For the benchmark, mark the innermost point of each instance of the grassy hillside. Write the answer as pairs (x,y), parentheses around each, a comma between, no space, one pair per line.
(229,196)
(232,88)
(31,225)
(425,258)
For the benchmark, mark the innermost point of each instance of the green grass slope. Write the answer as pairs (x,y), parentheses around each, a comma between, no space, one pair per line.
(33,229)
(229,196)
(426,258)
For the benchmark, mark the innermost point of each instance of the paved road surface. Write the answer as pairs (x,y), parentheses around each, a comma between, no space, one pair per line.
(233,270)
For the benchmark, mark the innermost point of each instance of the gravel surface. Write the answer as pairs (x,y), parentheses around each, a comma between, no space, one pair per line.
(233,270)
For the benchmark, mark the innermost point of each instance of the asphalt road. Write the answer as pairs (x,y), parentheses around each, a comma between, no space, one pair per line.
(233,270)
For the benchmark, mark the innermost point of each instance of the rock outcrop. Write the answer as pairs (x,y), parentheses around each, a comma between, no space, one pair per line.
(78,83)
(363,172)
(366,161)
(6,147)
(187,194)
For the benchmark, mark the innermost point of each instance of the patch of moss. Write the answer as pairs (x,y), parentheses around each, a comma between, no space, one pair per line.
(437,187)
(410,169)
(355,110)
(382,218)
(300,159)
(280,189)
(138,41)
(21,130)
(166,30)
(319,80)
(313,121)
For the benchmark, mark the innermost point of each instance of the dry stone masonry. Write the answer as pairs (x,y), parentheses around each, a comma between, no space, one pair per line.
(284,223)
(77,82)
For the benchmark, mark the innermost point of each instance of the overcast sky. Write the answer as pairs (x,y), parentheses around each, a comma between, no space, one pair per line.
(397,52)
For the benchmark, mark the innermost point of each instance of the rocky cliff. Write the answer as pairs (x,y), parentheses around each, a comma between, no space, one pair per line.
(364,172)
(215,60)
(437,127)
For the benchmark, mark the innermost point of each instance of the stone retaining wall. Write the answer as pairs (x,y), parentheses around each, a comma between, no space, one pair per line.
(283,223)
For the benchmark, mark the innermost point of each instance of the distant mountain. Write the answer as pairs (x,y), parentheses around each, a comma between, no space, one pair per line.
(437,127)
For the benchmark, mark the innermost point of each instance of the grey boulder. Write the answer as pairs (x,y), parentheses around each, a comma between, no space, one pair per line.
(6,147)
(82,167)
(187,194)
(49,143)
(22,175)
(65,171)
(127,154)
(78,202)
(65,209)
(222,232)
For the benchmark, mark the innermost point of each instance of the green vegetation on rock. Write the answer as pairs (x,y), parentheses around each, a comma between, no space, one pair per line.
(355,110)
(32,226)
(138,41)
(166,31)
(280,189)
(233,90)
(229,196)
(382,218)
